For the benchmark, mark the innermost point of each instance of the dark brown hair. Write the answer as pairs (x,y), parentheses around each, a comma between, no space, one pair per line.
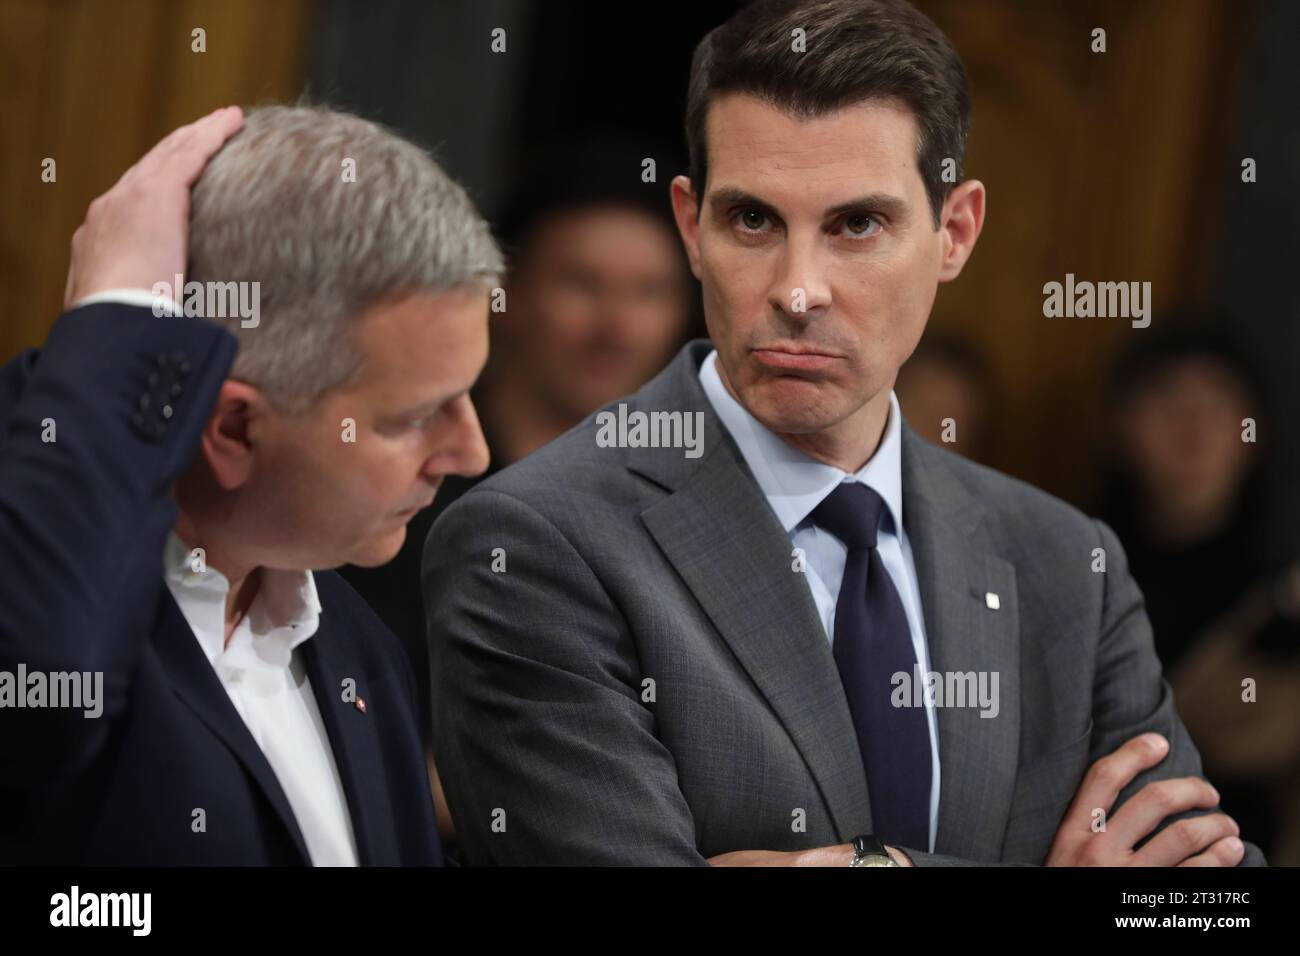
(855,50)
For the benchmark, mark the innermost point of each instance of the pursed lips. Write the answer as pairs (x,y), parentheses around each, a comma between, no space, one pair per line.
(794,358)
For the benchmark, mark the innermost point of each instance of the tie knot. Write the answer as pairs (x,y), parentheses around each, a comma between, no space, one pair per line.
(852,513)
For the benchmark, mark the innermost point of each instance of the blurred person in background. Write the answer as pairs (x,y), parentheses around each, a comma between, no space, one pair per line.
(1187,494)
(598,298)
(1238,686)
(1192,498)
(947,379)
(598,294)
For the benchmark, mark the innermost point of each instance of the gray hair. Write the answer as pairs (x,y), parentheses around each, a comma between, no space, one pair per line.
(274,206)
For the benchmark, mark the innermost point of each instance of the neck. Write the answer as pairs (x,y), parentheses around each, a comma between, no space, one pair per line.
(847,445)
(244,580)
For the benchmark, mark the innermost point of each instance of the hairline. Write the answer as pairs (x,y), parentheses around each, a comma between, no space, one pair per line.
(918,134)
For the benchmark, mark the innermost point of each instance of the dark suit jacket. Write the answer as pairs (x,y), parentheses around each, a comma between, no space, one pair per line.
(83,521)
(648,681)
(393,590)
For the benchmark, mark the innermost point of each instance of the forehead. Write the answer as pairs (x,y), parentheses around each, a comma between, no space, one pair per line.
(1195,372)
(867,146)
(609,235)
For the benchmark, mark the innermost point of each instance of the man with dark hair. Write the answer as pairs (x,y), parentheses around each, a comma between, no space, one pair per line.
(811,637)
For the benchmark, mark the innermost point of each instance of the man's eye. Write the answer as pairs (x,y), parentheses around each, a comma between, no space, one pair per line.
(860,225)
(751,220)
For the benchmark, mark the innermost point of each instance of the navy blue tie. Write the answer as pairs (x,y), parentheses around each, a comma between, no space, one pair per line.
(872,642)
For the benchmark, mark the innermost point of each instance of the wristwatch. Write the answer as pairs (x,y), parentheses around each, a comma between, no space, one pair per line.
(869,851)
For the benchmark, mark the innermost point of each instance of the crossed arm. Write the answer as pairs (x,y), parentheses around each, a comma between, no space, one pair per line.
(518,706)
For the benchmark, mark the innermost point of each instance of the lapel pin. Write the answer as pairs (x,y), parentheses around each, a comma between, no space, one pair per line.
(361,704)
(991,600)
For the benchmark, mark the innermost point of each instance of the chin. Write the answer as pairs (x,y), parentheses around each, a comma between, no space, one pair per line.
(379,550)
(792,406)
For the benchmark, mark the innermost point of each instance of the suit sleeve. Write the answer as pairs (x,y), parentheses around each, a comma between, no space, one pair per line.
(93,432)
(544,749)
(1130,695)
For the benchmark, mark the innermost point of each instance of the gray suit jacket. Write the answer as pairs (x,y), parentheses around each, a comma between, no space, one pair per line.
(639,676)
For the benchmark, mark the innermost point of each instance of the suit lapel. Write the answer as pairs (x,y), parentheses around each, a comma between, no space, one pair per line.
(956,571)
(331,657)
(197,684)
(721,536)
(723,539)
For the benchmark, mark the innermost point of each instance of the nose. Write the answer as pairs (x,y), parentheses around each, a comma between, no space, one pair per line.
(799,288)
(464,450)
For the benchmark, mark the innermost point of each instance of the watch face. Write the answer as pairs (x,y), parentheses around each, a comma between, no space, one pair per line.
(873,860)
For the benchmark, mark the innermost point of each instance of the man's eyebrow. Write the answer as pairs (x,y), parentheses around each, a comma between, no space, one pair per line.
(891,207)
(429,407)
(731,196)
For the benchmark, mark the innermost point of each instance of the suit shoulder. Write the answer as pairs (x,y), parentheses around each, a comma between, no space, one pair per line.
(565,471)
(1009,499)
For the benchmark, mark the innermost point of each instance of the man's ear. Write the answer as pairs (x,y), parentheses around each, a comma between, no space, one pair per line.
(962,220)
(686,210)
(231,435)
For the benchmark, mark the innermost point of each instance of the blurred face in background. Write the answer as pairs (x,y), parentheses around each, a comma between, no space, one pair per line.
(1181,433)
(595,307)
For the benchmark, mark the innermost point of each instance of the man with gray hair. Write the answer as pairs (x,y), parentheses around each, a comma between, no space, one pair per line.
(255,710)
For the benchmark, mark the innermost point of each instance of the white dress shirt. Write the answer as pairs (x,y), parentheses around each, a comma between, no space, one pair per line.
(141,297)
(268,685)
(264,678)
(795,483)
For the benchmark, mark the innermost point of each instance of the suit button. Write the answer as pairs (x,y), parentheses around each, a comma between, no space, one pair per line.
(166,411)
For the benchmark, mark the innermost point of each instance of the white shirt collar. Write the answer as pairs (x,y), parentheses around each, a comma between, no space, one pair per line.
(793,482)
(285,612)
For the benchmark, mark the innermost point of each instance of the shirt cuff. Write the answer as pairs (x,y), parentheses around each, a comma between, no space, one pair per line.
(160,304)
